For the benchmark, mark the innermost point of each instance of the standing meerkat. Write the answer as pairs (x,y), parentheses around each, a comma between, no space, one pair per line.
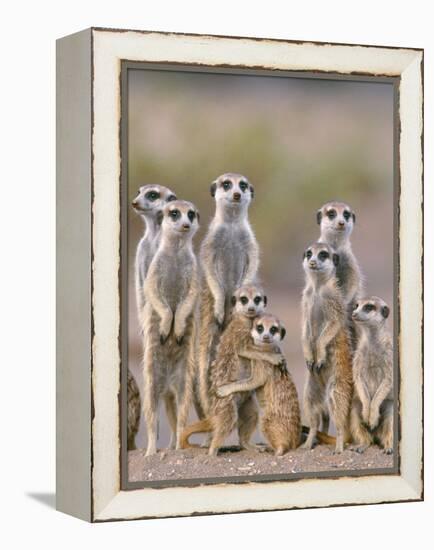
(229,259)
(225,414)
(149,201)
(275,389)
(326,345)
(336,221)
(171,290)
(372,409)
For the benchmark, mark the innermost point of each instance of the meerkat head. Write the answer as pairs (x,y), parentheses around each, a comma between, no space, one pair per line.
(232,190)
(152,198)
(371,311)
(320,258)
(249,300)
(267,329)
(336,219)
(179,218)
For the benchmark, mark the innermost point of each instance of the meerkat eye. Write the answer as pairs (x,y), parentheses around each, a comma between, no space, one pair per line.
(191,215)
(259,329)
(273,330)
(171,198)
(244,300)
(257,300)
(347,215)
(331,214)
(243,186)
(323,255)
(227,185)
(174,214)
(368,307)
(309,254)
(356,306)
(138,191)
(152,195)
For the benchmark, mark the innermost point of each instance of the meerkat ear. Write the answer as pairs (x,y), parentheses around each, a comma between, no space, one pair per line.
(265,300)
(198,216)
(282,333)
(172,198)
(335,259)
(354,218)
(318,217)
(213,188)
(233,300)
(160,217)
(252,191)
(385,311)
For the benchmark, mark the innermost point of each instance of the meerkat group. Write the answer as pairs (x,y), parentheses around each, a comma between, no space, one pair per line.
(208,341)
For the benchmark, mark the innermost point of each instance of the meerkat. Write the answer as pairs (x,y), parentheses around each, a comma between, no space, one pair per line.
(171,290)
(229,259)
(275,389)
(236,410)
(372,408)
(149,201)
(134,408)
(326,345)
(336,221)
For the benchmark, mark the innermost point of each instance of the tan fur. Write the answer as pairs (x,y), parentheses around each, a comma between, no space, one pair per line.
(326,346)
(134,407)
(275,389)
(372,408)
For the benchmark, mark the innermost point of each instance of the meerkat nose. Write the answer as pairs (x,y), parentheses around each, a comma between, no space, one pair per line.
(134,203)
(341,224)
(237,196)
(266,338)
(185,226)
(251,310)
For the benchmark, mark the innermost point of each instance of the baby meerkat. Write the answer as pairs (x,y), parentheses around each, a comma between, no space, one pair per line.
(240,409)
(275,389)
(171,290)
(326,345)
(229,259)
(149,201)
(372,409)
(336,220)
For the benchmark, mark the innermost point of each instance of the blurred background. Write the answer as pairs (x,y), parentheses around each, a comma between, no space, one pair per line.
(301,142)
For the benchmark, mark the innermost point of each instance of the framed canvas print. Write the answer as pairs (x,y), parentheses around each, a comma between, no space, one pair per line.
(239,274)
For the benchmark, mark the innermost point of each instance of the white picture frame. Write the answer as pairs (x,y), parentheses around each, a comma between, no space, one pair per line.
(89,477)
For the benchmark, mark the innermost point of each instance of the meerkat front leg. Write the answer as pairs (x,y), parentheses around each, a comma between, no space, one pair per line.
(216,291)
(160,305)
(380,395)
(330,330)
(252,262)
(306,342)
(260,353)
(185,310)
(257,378)
(362,392)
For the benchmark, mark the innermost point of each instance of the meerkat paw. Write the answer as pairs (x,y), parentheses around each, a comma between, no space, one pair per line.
(163,338)
(319,365)
(310,363)
(307,446)
(223,391)
(388,451)
(373,421)
(361,449)
(179,340)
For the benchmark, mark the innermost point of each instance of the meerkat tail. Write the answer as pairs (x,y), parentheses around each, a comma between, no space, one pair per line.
(202,426)
(322,437)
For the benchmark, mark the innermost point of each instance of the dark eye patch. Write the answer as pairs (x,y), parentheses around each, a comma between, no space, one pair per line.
(368,307)
(259,329)
(273,330)
(191,215)
(227,184)
(174,214)
(171,198)
(309,254)
(243,186)
(244,300)
(257,300)
(347,215)
(323,255)
(152,195)
(331,214)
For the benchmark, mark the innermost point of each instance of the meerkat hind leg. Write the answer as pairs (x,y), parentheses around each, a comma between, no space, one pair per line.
(169,401)
(314,419)
(361,437)
(247,422)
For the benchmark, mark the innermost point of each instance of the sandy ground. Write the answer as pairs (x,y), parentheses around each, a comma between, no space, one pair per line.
(195,463)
